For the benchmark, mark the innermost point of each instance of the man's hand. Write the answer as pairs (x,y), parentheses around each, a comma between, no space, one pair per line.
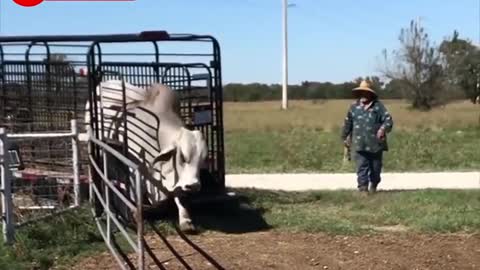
(381,133)
(347,142)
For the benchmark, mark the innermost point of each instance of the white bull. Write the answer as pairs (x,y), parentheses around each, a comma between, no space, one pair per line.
(157,136)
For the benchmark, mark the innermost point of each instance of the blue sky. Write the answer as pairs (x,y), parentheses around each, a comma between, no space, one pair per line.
(328,40)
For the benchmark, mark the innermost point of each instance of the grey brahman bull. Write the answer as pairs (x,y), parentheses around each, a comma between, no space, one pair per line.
(158,138)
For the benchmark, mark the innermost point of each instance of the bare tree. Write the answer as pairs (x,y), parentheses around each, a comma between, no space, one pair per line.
(418,65)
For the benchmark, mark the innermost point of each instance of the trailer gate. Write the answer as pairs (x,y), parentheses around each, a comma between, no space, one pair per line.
(47,80)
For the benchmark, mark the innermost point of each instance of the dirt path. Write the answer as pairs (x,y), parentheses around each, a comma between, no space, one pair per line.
(278,250)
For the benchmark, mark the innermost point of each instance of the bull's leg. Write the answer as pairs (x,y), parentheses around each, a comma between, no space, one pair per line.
(184,220)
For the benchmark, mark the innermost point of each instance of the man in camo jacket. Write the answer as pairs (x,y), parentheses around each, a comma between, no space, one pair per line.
(365,129)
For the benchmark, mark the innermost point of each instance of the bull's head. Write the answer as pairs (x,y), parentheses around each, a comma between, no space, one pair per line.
(188,154)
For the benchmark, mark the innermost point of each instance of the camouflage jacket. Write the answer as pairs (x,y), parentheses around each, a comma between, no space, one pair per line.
(362,124)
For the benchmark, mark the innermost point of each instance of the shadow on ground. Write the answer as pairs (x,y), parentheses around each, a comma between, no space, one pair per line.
(231,215)
(235,216)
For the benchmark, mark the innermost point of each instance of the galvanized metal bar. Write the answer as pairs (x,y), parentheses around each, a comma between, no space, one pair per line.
(27,43)
(112,38)
(6,190)
(2,79)
(219,129)
(110,185)
(115,153)
(90,175)
(109,246)
(140,223)
(107,197)
(115,220)
(119,54)
(143,36)
(41,135)
(76,162)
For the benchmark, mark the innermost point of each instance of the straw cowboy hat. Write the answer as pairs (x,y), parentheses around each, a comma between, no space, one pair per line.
(364,86)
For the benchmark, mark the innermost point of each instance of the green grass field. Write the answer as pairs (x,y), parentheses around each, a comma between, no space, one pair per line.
(262,138)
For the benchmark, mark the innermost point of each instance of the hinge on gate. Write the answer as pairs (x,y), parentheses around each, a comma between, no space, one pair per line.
(214,64)
(13,157)
(97,76)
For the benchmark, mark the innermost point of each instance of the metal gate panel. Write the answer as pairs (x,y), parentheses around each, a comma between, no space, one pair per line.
(198,108)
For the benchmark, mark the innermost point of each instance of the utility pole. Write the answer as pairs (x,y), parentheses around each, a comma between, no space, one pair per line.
(285,57)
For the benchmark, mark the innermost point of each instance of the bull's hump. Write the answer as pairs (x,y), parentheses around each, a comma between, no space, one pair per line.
(113,89)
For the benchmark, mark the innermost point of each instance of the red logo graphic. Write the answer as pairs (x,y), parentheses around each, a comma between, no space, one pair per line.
(32,3)
(28,3)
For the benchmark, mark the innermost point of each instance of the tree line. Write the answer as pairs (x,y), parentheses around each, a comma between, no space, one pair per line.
(308,90)
(425,74)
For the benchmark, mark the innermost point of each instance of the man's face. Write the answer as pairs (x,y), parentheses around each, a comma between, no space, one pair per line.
(365,97)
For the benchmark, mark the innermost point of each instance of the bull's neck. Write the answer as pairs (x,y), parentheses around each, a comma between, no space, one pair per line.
(170,129)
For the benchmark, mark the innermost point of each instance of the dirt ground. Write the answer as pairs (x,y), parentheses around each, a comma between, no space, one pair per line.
(280,250)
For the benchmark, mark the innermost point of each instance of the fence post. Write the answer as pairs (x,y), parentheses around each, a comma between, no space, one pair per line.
(107,197)
(139,219)
(90,169)
(76,163)
(6,189)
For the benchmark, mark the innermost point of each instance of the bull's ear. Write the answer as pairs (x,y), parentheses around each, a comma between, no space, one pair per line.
(201,143)
(165,155)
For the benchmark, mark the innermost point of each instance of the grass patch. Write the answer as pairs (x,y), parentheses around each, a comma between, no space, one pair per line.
(60,241)
(309,150)
(328,115)
(261,138)
(347,212)
(56,240)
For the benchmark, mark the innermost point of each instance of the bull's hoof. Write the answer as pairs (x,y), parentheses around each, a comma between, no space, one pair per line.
(187,227)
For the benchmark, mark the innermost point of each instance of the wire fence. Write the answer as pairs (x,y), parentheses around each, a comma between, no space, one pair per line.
(49,182)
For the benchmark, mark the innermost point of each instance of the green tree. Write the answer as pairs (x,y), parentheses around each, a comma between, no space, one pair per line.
(395,89)
(462,65)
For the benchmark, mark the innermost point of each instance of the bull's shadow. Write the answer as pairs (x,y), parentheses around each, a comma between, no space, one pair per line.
(214,212)
(232,215)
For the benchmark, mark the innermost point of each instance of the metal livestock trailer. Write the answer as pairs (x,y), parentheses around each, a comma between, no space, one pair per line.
(42,91)
(46,81)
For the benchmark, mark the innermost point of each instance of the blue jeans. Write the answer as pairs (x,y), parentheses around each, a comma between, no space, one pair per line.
(369,168)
